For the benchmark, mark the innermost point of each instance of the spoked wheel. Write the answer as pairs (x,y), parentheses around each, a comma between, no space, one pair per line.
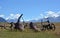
(53,27)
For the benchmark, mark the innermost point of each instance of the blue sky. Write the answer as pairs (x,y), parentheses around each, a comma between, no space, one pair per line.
(31,9)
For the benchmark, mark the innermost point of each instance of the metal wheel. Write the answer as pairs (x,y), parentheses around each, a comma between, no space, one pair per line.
(53,27)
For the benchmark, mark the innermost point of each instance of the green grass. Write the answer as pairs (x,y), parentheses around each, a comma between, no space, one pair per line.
(13,34)
(28,33)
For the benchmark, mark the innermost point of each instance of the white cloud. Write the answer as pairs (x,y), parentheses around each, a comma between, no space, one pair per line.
(13,16)
(17,15)
(1,15)
(27,20)
(50,14)
(41,15)
(7,18)
(45,15)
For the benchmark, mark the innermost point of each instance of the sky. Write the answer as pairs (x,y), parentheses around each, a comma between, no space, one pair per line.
(31,9)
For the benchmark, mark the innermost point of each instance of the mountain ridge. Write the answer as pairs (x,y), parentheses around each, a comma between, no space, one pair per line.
(2,19)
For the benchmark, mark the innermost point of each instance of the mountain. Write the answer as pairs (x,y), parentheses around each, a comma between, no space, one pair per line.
(12,20)
(51,19)
(33,21)
(57,19)
(2,19)
(54,19)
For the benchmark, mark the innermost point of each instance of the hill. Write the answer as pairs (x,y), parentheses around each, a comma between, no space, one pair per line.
(51,19)
(2,19)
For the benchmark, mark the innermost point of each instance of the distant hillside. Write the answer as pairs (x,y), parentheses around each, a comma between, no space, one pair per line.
(51,19)
(2,19)
(12,20)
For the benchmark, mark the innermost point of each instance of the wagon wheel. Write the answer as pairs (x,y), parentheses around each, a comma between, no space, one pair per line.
(53,27)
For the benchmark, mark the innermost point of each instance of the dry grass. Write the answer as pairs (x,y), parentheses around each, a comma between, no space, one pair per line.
(28,33)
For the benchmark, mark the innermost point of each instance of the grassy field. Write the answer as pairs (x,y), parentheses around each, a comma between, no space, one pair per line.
(9,34)
(28,33)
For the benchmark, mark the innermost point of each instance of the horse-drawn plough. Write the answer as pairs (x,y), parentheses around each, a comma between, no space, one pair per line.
(20,26)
